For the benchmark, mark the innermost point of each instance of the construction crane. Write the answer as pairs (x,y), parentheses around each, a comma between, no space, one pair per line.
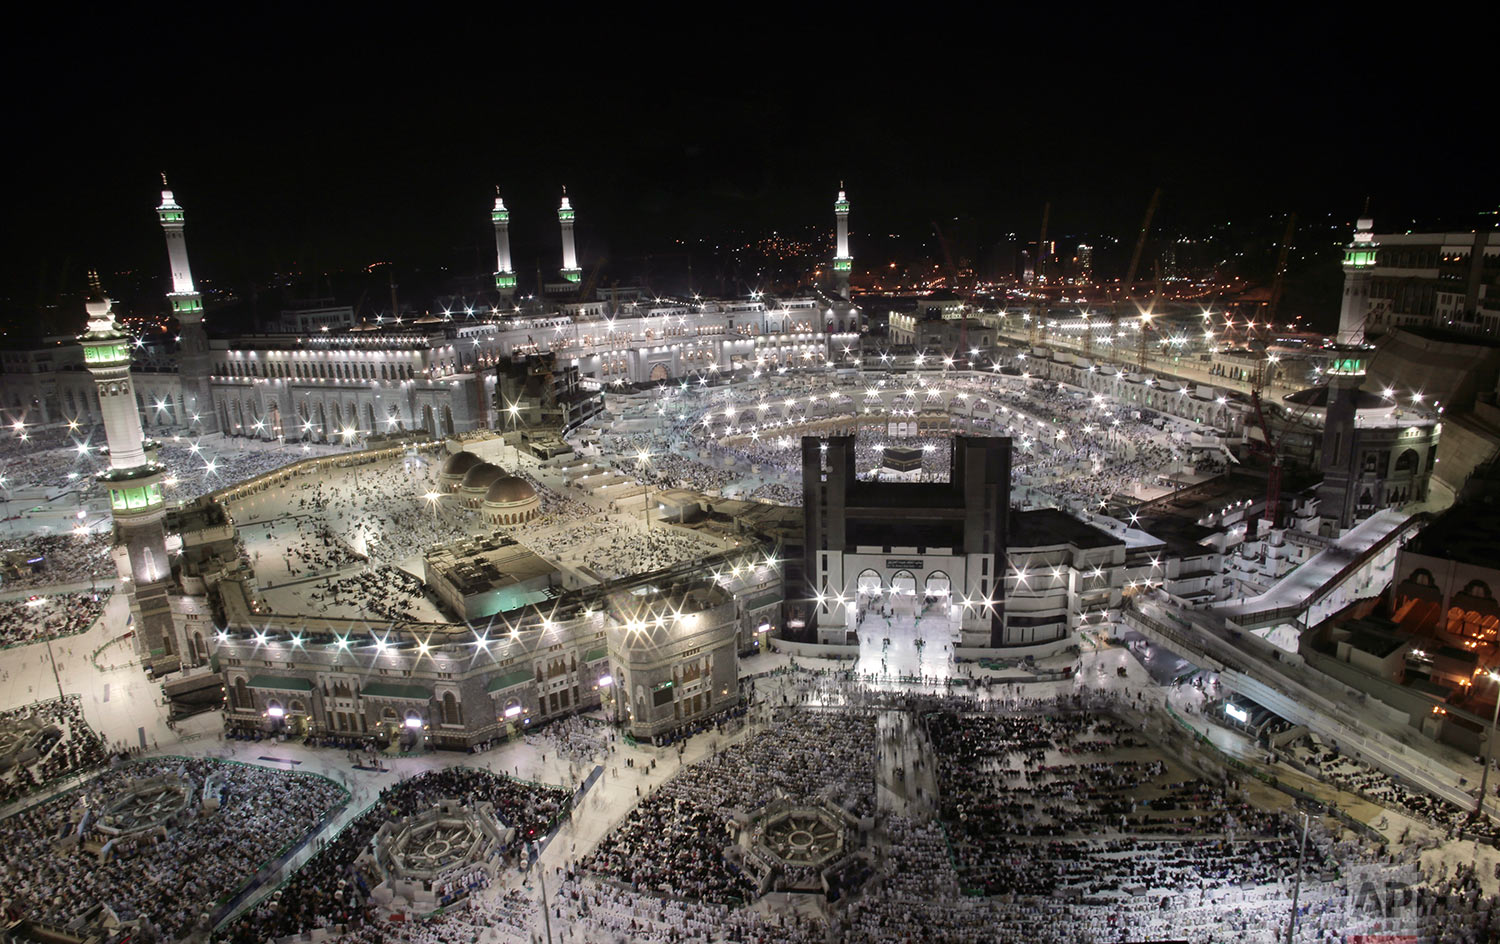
(1135,264)
(587,287)
(1272,449)
(1145,322)
(1039,308)
(963,328)
(1278,283)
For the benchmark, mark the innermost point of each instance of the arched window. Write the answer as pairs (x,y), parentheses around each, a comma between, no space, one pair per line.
(1480,589)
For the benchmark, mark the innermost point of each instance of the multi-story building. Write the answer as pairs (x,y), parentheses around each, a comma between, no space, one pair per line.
(656,650)
(1448,281)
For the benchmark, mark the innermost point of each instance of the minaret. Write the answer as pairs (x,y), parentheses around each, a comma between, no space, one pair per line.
(505,276)
(133,480)
(842,261)
(570,270)
(1336,493)
(187,306)
(1359,259)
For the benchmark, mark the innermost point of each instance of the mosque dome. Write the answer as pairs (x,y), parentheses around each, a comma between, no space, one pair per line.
(459,463)
(509,490)
(480,477)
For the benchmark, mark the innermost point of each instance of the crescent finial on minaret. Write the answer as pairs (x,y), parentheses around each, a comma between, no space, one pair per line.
(164,181)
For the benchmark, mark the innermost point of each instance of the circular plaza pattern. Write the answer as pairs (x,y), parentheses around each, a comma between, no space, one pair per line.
(144,804)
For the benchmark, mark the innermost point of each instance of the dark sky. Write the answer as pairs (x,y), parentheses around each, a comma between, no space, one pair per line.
(361,137)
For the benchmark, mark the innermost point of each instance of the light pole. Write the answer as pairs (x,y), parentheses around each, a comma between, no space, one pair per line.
(541,874)
(1291,928)
(432,498)
(643,460)
(1489,751)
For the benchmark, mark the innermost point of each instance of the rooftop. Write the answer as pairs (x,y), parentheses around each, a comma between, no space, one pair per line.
(1045,526)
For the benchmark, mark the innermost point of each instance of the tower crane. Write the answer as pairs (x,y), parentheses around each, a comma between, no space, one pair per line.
(1135,263)
(1278,283)
(1039,307)
(963,328)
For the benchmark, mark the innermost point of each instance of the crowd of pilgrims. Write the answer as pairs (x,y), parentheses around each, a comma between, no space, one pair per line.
(672,842)
(56,455)
(64,558)
(218,462)
(63,741)
(331,889)
(581,739)
(1075,451)
(1021,792)
(382,591)
(1371,896)
(1352,775)
(617,548)
(666,468)
(50,615)
(167,877)
(312,548)
(508,918)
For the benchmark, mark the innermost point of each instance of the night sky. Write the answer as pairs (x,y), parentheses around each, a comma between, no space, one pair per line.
(332,144)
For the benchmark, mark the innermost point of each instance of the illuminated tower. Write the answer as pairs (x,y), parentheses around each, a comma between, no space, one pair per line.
(570,270)
(1337,492)
(842,261)
(187,306)
(505,276)
(1359,259)
(133,480)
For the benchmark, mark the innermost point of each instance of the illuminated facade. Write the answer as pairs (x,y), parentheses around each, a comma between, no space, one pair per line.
(655,651)
(911,542)
(1449,281)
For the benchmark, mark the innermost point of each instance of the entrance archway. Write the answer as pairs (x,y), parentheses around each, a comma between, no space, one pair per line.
(869,584)
(937,585)
(903,583)
(659,373)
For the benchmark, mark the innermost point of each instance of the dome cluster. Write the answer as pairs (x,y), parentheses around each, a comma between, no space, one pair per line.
(502,497)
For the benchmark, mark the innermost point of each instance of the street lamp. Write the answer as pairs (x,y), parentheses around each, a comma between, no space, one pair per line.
(643,459)
(432,498)
(1489,751)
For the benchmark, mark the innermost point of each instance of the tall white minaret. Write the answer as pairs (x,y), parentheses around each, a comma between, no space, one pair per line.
(842,261)
(1359,259)
(570,270)
(505,276)
(187,306)
(134,482)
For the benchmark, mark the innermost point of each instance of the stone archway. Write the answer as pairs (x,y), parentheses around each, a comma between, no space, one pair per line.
(903,583)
